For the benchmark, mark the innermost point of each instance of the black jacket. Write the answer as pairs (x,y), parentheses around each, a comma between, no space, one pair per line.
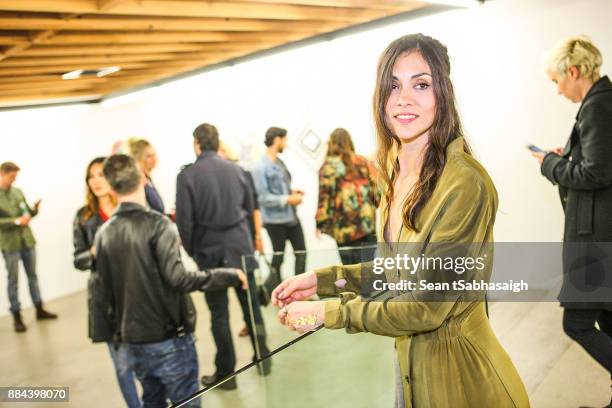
(144,280)
(584,176)
(83,233)
(213,207)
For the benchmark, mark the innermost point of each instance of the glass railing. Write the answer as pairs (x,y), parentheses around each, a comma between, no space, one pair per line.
(319,368)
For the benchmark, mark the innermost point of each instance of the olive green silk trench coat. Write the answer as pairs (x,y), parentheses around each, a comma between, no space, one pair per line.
(447,352)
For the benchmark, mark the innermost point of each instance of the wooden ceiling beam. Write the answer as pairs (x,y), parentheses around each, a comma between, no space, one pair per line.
(12,39)
(32,78)
(104,5)
(8,90)
(113,50)
(118,59)
(35,39)
(61,69)
(15,49)
(101,60)
(43,98)
(158,71)
(187,8)
(173,37)
(164,24)
(375,4)
(57,83)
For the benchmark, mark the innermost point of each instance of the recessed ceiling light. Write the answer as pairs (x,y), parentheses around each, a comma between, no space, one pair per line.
(106,71)
(73,74)
(100,72)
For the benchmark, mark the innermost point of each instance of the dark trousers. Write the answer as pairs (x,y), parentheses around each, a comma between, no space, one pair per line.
(279,235)
(217,301)
(579,325)
(167,370)
(352,253)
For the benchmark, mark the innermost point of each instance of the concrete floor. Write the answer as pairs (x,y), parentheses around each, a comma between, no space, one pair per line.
(313,372)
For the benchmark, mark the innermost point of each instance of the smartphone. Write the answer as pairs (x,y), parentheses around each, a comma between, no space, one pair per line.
(535,149)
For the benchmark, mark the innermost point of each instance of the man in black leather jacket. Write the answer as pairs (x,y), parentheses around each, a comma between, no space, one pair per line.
(147,286)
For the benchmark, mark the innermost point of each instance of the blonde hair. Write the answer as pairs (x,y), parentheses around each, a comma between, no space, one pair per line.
(137,147)
(228,151)
(579,52)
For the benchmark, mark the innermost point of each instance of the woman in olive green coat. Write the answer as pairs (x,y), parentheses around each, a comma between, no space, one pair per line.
(434,191)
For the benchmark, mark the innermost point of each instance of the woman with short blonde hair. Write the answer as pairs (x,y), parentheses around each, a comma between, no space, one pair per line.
(579,52)
(145,156)
(583,172)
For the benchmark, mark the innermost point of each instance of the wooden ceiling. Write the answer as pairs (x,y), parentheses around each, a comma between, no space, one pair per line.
(151,40)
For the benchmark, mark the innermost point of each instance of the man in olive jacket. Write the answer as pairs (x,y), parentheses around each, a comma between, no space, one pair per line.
(17,242)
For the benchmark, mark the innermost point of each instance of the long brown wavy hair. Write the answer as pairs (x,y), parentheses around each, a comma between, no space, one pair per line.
(92,203)
(341,144)
(446,126)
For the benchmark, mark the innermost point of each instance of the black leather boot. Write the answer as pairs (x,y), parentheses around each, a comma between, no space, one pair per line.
(209,380)
(18,323)
(43,314)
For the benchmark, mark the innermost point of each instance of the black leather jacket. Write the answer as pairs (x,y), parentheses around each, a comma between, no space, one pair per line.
(83,235)
(144,280)
(84,231)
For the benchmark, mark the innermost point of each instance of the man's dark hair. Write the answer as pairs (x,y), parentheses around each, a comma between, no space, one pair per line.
(207,137)
(122,174)
(8,167)
(272,134)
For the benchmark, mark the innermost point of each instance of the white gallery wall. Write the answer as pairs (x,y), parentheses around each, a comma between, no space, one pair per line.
(505,99)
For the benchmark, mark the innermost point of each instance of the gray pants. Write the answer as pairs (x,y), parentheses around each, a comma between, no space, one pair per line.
(11,259)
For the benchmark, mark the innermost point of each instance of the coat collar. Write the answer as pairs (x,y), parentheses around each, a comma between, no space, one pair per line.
(455,147)
(130,206)
(603,84)
(205,154)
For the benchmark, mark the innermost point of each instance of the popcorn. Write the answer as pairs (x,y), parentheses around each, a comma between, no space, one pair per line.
(308,320)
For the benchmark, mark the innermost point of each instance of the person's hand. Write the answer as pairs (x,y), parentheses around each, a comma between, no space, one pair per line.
(299,287)
(539,156)
(559,151)
(243,279)
(302,316)
(23,220)
(259,244)
(294,199)
(318,233)
(300,192)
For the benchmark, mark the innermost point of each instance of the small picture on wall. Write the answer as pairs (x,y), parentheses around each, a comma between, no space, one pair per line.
(311,143)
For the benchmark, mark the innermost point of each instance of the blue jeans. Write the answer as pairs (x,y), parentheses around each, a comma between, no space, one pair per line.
(11,259)
(167,370)
(124,369)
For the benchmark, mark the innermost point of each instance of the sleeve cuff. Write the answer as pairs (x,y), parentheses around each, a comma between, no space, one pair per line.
(327,280)
(548,166)
(333,314)
(284,199)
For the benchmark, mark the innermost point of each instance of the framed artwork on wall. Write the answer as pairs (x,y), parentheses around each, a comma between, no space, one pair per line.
(311,143)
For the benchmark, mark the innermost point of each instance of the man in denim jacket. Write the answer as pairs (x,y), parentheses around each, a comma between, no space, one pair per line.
(278,201)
